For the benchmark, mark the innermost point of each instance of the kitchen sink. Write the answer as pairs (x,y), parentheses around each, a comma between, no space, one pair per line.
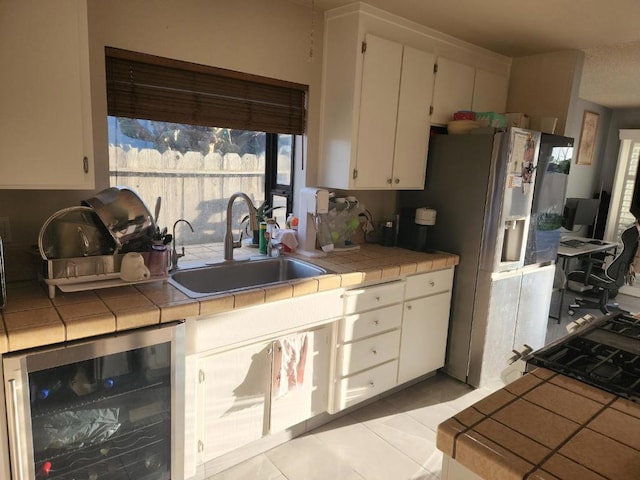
(205,280)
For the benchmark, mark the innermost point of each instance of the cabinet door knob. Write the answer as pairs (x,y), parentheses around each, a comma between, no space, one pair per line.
(389,181)
(396,181)
(371,384)
(409,307)
(377,298)
(376,322)
(374,351)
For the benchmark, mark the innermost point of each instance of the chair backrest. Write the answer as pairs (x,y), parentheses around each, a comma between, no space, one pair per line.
(619,268)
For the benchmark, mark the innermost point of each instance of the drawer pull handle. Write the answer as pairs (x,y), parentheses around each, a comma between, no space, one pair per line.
(374,351)
(371,384)
(432,283)
(409,307)
(377,298)
(376,322)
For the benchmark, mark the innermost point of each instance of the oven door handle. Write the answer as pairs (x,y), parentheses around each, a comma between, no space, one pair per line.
(16,437)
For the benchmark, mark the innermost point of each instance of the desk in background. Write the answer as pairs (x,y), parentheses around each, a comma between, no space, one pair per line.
(578,247)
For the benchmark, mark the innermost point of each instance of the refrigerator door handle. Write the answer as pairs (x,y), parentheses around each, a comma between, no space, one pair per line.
(16,437)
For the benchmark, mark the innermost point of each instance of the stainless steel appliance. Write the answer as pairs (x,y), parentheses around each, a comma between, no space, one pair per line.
(481,184)
(106,408)
(413,224)
(603,352)
(3,284)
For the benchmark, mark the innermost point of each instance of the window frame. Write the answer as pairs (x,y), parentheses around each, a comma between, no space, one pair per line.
(272,188)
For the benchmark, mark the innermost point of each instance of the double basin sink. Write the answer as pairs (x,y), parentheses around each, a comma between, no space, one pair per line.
(207,280)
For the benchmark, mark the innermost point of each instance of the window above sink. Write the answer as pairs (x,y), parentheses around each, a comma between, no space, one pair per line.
(193,135)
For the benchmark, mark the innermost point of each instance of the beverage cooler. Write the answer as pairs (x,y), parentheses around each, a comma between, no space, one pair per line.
(108,408)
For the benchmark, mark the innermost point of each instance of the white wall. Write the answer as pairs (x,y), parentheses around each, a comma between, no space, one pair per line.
(586,180)
(542,85)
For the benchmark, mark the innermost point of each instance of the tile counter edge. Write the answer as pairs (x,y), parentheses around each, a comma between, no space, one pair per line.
(31,319)
(539,427)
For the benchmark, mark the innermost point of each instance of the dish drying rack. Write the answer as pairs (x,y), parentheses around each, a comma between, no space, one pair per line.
(81,254)
(75,274)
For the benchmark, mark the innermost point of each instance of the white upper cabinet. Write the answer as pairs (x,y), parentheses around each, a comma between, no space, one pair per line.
(45,113)
(378,112)
(375,125)
(489,92)
(379,87)
(393,132)
(462,87)
(453,90)
(414,119)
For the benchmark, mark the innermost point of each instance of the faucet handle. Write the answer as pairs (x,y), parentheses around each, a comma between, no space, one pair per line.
(275,249)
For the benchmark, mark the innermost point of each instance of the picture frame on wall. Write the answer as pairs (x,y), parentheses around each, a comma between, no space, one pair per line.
(588,134)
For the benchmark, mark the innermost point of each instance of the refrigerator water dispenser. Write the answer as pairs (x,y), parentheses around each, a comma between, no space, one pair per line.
(513,240)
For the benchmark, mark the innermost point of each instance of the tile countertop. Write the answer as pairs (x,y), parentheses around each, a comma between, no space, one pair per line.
(546,426)
(32,319)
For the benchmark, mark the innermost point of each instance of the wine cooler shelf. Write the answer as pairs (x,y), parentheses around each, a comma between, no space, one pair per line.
(140,454)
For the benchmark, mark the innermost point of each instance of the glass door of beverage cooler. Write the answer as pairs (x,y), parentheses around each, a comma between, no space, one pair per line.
(106,409)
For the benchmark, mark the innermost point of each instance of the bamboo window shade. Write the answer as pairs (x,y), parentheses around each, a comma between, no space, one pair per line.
(156,88)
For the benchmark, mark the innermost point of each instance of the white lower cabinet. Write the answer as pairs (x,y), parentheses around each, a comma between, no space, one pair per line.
(263,388)
(425,323)
(233,398)
(356,388)
(424,335)
(368,344)
(300,389)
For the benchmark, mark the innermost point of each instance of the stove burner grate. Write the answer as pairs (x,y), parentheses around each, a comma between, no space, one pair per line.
(623,325)
(604,366)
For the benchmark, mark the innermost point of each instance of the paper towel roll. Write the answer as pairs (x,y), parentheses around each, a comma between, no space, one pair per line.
(425,216)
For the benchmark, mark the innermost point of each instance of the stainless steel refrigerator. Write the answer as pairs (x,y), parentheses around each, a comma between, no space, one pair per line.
(481,185)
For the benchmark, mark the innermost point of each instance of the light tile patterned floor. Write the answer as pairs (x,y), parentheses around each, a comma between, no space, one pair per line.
(393,438)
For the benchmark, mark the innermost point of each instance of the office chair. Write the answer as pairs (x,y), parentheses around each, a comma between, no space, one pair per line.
(604,284)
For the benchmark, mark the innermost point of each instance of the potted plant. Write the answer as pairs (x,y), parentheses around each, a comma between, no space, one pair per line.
(263,212)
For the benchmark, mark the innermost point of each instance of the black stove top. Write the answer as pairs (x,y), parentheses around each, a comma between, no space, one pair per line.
(605,354)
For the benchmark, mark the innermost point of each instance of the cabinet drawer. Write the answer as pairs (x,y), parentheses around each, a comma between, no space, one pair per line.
(363,354)
(373,322)
(429,283)
(354,389)
(362,299)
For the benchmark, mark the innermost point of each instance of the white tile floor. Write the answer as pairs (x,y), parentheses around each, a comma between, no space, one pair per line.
(391,439)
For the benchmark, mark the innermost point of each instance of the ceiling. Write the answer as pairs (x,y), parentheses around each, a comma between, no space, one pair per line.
(607,31)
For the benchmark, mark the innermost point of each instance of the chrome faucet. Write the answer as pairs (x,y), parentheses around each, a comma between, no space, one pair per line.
(229,243)
(174,254)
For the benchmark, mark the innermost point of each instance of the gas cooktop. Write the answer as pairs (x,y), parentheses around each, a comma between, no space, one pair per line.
(605,354)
